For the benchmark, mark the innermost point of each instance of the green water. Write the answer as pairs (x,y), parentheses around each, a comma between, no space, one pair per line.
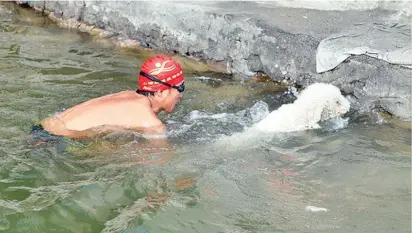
(361,173)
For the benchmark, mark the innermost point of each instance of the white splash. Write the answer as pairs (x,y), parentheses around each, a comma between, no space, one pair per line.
(315,209)
(258,111)
(338,123)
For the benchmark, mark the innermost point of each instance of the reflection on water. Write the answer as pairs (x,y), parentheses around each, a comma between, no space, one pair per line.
(211,181)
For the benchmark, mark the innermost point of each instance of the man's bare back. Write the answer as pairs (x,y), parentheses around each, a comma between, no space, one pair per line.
(124,110)
(161,83)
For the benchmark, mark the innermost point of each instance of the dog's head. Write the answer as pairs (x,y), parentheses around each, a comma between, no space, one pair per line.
(325,98)
(334,107)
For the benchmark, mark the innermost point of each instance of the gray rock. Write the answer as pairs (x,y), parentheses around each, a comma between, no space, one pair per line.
(247,37)
(374,83)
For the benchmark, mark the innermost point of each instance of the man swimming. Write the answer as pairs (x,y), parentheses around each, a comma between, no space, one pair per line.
(161,83)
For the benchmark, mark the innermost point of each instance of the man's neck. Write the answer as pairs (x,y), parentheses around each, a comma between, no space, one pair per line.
(154,105)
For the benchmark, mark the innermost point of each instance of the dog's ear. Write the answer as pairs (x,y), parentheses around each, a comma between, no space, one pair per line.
(325,114)
(314,113)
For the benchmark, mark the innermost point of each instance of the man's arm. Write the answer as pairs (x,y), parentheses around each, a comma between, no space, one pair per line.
(156,135)
(92,132)
(154,132)
(56,126)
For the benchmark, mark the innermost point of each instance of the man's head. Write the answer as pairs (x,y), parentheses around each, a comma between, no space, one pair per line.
(163,77)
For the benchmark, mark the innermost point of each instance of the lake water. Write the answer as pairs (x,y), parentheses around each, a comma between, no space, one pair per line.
(350,178)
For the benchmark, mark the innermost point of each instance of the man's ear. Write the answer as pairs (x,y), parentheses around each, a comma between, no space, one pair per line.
(158,94)
(161,94)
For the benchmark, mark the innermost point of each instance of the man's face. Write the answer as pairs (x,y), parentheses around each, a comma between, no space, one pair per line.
(172,98)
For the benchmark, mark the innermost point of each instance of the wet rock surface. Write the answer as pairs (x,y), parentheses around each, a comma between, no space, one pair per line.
(245,38)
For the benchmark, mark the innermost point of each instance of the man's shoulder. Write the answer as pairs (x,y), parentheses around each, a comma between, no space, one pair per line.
(122,95)
(129,98)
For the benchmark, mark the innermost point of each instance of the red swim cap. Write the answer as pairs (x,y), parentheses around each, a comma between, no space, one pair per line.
(163,68)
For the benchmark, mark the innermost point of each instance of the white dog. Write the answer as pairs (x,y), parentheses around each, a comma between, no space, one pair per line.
(318,102)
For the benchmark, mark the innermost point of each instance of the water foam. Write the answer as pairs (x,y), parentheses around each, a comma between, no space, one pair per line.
(202,126)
